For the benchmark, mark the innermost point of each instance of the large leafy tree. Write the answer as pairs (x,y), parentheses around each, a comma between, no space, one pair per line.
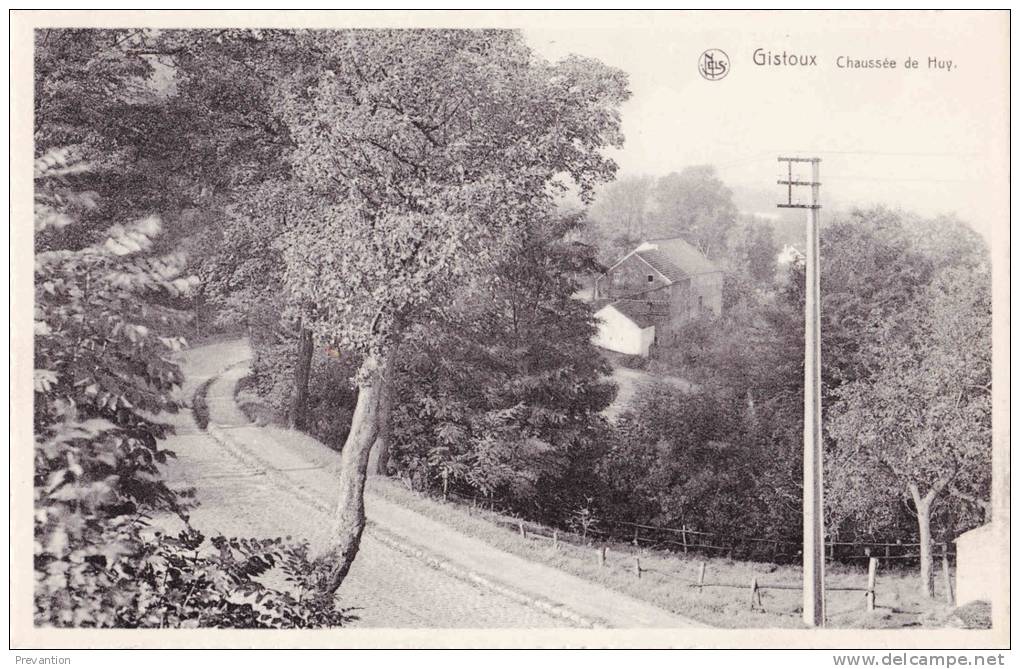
(421,152)
(753,253)
(875,264)
(919,425)
(226,154)
(694,204)
(502,393)
(619,216)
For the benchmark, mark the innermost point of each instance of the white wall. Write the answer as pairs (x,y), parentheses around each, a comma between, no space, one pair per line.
(618,333)
(977,554)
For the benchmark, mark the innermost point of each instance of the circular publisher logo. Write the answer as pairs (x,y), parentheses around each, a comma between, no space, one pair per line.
(714,64)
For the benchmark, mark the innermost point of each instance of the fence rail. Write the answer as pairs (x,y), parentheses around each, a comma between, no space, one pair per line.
(689,540)
(653,538)
(633,565)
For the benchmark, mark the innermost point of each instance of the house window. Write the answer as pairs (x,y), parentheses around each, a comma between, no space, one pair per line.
(651,278)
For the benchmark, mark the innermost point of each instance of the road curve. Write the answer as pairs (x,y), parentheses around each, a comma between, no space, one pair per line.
(411,571)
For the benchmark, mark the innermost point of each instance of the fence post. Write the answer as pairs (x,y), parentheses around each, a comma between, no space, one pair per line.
(683,537)
(755,594)
(556,539)
(869,596)
(701,576)
(636,530)
(637,566)
(520,528)
(945,574)
(602,557)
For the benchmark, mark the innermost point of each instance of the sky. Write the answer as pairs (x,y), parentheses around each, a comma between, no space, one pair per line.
(928,140)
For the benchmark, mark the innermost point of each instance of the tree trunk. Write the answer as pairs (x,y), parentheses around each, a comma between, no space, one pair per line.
(923,504)
(927,565)
(302,372)
(379,458)
(349,517)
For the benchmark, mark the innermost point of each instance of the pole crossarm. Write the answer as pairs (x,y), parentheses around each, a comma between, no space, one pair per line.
(784,159)
(790,182)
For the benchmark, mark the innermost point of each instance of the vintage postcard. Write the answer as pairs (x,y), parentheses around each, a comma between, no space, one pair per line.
(421,329)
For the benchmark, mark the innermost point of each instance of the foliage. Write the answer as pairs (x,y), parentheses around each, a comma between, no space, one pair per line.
(105,372)
(242,278)
(753,252)
(332,395)
(102,357)
(890,282)
(84,80)
(693,203)
(876,263)
(101,94)
(417,163)
(619,216)
(584,518)
(682,458)
(331,391)
(93,571)
(634,361)
(692,339)
(923,415)
(502,397)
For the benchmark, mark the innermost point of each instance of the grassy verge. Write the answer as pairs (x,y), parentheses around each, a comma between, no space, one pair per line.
(669,580)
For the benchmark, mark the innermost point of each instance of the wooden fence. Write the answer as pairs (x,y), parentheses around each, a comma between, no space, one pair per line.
(687,540)
(632,564)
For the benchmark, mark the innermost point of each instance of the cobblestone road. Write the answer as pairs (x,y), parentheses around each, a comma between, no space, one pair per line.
(253,481)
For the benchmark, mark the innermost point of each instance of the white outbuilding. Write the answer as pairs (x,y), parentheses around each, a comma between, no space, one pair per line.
(978,553)
(623,330)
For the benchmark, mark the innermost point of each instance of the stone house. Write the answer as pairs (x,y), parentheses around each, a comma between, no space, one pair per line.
(661,284)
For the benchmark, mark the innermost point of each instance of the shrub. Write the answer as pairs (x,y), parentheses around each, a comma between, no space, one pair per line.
(105,372)
(265,396)
(503,395)
(331,397)
(634,361)
(200,404)
(97,571)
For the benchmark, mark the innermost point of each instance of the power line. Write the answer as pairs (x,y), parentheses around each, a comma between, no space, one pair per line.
(917,154)
(854,177)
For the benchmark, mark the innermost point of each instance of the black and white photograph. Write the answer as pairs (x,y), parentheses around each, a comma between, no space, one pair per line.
(571,329)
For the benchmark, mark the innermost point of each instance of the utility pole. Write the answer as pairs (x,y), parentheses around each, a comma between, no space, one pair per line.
(814,532)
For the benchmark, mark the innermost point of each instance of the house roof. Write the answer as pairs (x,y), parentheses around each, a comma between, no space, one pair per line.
(639,311)
(662,264)
(675,258)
